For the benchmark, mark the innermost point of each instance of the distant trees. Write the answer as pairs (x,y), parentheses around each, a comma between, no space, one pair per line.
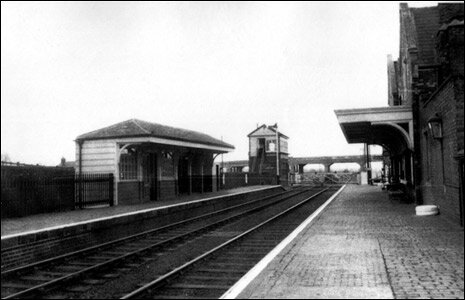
(6,157)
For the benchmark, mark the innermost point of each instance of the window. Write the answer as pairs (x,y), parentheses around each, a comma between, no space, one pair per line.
(167,163)
(271,145)
(167,155)
(128,166)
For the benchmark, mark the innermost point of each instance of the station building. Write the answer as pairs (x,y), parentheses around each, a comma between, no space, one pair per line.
(150,161)
(422,128)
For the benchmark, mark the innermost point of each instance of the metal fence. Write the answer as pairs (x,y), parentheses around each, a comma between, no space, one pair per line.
(234,180)
(28,190)
(317,179)
(94,189)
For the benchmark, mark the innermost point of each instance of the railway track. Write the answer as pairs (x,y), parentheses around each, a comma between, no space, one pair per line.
(71,274)
(212,273)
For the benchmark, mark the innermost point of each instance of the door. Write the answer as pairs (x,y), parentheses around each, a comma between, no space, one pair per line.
(150,177)
(183,175)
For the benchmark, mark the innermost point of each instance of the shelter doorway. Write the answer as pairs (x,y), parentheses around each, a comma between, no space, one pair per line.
(150,177)
(183,176)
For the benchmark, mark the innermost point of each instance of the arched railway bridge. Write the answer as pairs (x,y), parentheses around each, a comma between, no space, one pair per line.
(296,164)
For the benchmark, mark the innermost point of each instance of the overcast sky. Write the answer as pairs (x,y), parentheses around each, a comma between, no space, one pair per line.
(218,68)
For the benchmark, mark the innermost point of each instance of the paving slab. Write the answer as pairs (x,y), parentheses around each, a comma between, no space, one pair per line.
(364,245)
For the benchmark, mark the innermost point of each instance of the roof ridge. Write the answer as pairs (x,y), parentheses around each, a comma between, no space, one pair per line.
(135,121)
(136,127)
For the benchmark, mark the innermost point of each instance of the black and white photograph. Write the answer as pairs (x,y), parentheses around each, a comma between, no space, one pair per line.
(232,150)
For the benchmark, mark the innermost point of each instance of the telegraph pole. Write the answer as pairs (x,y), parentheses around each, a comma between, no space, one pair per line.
(277,154)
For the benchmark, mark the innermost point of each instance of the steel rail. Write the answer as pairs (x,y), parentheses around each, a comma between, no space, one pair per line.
(120,259)
(170,275)
(27,267)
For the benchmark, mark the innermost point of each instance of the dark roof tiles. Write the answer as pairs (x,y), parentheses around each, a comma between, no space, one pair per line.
(427,25)
(139,128)
(428,21)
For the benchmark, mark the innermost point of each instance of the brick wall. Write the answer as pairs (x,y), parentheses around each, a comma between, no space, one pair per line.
(459,96)
(440,174)
(167,189)
(128,192)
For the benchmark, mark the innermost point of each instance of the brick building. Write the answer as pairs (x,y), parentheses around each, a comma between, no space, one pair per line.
(422,128)
(428,76)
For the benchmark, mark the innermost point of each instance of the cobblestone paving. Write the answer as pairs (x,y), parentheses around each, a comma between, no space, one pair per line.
(367,246)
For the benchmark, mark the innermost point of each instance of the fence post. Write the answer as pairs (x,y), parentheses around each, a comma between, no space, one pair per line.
(23,187)
(80,190)
(111,181)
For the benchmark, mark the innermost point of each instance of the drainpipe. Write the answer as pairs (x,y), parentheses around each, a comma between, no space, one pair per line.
(417,155)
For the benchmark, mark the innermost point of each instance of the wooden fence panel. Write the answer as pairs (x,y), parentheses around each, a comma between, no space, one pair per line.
(28,190)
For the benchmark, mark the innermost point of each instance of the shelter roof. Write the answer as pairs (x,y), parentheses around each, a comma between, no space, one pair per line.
(138,128)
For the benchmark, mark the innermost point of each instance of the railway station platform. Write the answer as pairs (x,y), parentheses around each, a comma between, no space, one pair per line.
(40,222)
(363,245)
(33,238)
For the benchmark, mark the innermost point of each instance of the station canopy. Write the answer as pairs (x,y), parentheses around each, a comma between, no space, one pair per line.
(390,127)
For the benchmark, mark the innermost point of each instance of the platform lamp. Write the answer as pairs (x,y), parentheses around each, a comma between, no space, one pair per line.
(435,127)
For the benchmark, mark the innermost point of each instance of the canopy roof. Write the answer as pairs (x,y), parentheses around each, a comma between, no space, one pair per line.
(390,127)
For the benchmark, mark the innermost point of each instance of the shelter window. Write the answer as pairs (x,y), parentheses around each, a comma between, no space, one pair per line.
(167,163)
(167,155)
(128,165)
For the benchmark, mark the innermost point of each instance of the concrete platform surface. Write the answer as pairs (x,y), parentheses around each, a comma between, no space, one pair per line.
(14,226)
(364,246)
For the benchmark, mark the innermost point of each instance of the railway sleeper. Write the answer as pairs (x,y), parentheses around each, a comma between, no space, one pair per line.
(81,263)
(229,280)
(36,278)
(217,272)
(79,288)
(193,290)
(162,296)
(231,265)
(250,260)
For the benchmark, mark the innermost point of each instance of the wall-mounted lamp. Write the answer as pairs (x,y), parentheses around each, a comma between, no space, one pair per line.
(435,127)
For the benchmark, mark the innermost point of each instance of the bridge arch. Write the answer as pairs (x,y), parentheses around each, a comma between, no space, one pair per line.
(297,164)
(314,167)
(350,166)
